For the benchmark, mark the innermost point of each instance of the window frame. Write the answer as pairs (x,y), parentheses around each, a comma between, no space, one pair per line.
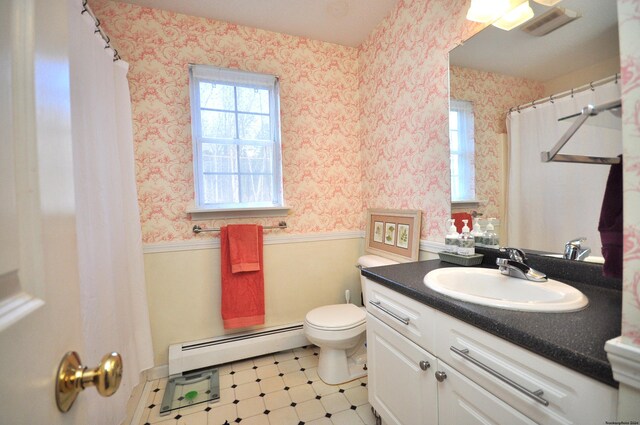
(237,78)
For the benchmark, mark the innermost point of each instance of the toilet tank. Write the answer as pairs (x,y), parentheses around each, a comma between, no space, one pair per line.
(371,261)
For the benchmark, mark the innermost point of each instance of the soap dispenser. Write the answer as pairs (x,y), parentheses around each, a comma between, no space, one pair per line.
(451,240)
(467,242)
(477,233)
(490,236)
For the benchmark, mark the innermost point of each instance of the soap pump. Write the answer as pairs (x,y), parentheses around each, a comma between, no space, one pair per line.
(490,236)
(477,233)
(467,242)
(451,240)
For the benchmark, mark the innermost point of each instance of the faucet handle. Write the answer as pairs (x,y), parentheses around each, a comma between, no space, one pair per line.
(515,254)
(576,242)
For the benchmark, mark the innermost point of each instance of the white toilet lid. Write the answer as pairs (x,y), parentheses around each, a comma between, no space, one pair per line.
(336,317)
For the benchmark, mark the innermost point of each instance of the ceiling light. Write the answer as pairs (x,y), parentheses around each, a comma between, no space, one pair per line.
(515,17)
(547,2)
(487,10)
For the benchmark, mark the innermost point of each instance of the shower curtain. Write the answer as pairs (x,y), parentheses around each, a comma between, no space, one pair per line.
(114,305)
(551,203)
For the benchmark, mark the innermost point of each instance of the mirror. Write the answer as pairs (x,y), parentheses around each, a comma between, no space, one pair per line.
(497,70)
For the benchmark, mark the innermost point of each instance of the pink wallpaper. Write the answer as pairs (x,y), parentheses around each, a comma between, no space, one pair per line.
(404,116)
(629,20)
(319,109)
(492,95)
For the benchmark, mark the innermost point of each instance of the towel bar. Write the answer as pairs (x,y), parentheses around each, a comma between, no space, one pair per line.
(197,229)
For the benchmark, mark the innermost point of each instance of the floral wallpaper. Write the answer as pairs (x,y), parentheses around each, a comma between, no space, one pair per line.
(319,110)
(492,95)
(404,115)
(629,21)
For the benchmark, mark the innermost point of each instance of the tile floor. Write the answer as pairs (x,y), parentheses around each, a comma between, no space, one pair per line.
(276,389)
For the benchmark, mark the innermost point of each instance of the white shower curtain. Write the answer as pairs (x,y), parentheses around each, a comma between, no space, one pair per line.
(551,203)
(114,304)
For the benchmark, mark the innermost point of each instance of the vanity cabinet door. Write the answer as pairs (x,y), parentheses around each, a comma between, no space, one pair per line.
(462,402)
(402,385)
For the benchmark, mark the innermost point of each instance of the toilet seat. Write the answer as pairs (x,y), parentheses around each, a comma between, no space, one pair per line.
(336,317)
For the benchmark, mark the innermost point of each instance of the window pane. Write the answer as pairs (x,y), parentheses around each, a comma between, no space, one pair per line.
(217,158)
(217,96)
(453,141)
(220,188)
(453,120)
(256,159)
(257,188)
(253,127)
(454,165)
(253,100)
(220,125)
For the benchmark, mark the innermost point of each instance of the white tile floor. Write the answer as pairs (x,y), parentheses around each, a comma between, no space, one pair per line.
(276,389)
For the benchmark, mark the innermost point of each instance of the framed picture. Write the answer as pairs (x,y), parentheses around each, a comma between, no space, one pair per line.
(378,231)
(390,233)
(393,234)
(403,236)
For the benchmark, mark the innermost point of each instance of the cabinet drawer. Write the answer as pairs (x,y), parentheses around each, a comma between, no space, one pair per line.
(410,318)
(537,387)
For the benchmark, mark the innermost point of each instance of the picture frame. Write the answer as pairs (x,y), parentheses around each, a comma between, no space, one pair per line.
(401,244)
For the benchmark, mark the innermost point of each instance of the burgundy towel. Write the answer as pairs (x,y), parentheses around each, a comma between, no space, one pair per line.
(243,292)
(244,251)
(610,225)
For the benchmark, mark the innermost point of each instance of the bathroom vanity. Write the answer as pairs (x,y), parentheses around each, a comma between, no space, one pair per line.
(433,359)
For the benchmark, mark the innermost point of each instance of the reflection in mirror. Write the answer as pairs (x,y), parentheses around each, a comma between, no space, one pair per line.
(499,70)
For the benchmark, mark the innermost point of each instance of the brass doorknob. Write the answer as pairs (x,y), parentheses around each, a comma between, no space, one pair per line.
(73,377)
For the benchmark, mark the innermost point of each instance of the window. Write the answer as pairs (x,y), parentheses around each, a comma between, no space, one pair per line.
(462,151)
(236,139)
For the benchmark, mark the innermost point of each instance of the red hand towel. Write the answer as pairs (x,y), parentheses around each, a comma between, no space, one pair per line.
(242,293)
(244,251)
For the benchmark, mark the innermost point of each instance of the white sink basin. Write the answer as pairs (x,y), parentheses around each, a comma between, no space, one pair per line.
(490,287)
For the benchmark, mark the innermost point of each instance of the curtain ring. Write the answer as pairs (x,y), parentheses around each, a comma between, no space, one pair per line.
(533,104)
(591,85)
(518,109)
(616,78)
(551,99)
(571,92)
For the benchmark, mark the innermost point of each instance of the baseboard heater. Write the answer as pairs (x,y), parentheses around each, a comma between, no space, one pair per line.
(194,355)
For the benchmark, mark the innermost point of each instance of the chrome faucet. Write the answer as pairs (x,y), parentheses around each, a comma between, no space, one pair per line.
(573,250)
(516,266)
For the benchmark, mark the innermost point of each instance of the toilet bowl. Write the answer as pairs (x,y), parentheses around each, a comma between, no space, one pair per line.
(339,331)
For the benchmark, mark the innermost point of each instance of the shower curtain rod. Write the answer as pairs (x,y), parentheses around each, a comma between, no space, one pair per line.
(197,229)
(103,35)
(592,85)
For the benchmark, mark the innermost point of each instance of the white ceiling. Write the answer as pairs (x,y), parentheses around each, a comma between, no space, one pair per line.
(346,22)
(591,39)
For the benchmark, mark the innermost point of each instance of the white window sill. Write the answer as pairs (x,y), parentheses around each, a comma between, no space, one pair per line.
(470,203)
(208,214)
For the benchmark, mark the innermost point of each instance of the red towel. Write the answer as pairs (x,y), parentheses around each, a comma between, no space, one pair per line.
(242,292)
(244,251)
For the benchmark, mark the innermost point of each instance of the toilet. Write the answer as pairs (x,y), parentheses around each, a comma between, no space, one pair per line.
(339,331)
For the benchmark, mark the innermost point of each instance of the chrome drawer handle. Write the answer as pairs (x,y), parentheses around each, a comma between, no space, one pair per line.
(531,394)
(377,304)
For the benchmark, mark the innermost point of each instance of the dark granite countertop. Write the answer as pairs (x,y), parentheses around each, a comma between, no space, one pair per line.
(575,339)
